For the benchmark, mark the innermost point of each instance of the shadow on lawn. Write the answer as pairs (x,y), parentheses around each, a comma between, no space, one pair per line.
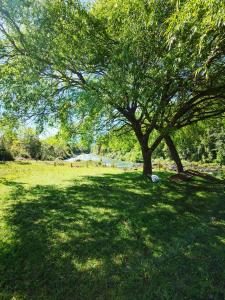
(114,237)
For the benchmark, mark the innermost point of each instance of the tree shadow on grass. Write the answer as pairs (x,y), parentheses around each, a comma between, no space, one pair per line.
(114,237)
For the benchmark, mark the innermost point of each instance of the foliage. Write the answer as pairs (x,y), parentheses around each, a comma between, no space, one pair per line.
(204,142)
(110,62)
(54,147)
(120,145)
(204,22)
(5,155)
(25,143)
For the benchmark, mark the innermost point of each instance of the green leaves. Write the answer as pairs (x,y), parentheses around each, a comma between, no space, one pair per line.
(199,22)
(156,66)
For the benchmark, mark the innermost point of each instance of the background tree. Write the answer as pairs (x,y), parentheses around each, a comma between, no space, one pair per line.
(120,145)
(202,142)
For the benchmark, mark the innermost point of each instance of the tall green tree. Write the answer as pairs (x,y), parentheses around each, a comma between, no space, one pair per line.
(112,61)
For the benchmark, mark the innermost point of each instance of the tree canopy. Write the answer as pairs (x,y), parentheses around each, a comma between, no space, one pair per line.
(146,65)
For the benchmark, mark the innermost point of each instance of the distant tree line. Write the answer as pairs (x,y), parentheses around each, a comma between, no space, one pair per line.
(204,142)
(28,145)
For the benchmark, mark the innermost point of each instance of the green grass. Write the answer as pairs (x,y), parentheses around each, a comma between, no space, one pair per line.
(100,233)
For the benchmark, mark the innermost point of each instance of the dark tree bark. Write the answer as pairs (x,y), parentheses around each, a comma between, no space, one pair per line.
(147,153)
(174,154)
(142,137)
(147,162)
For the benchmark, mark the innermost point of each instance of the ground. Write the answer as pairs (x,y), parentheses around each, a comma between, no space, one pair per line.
(101,233)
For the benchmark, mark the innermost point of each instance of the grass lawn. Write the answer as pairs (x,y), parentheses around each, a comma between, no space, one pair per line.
(100,233)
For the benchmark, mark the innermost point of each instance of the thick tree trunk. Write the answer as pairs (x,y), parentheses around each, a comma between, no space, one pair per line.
(147,162)
(147,154)
(146,149)
(174,154)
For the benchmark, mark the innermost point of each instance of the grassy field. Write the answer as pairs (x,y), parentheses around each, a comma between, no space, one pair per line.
(100,233)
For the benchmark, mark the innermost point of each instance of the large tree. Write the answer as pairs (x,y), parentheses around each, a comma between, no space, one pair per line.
(112,60)
(201,24)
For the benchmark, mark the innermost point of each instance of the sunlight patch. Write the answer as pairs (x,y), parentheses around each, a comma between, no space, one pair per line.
(89,265)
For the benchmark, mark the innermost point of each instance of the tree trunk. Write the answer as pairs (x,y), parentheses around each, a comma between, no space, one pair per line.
(147,162)
(174,154)
(146,149)
(147,154)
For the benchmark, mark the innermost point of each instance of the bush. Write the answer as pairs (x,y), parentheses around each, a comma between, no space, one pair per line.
(5,155)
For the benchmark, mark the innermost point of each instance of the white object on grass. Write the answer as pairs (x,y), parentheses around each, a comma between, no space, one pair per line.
(155,178)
